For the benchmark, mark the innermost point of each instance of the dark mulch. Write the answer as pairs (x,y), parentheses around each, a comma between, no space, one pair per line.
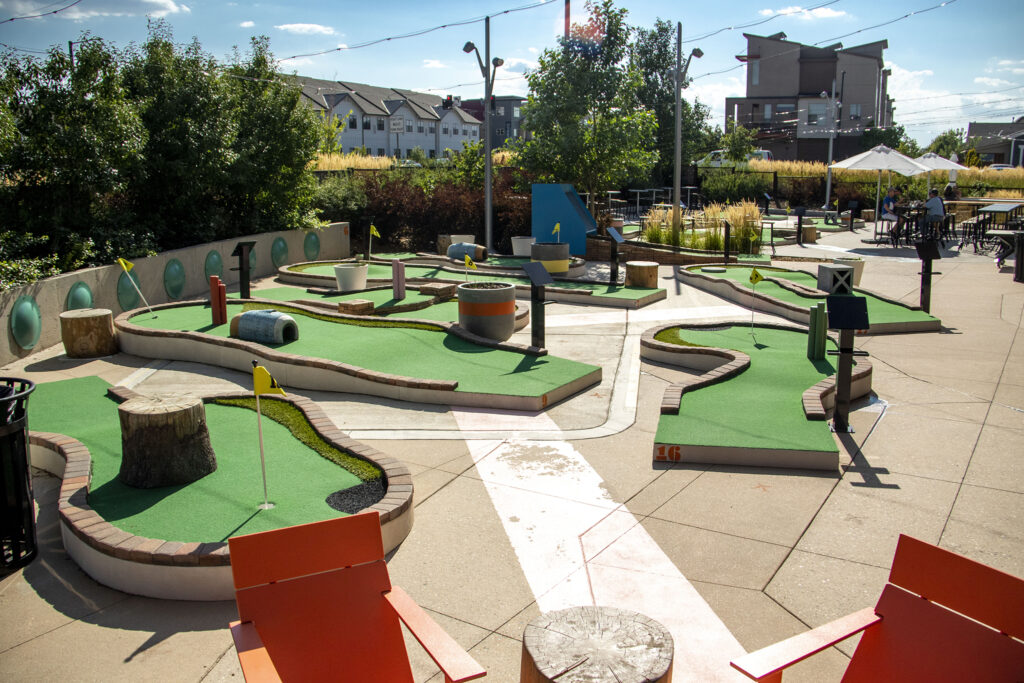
(354,499)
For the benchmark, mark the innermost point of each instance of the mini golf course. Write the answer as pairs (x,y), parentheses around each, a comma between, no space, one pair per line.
(382,299)
(754,417)
(884,315)
(401,359)
(301,476)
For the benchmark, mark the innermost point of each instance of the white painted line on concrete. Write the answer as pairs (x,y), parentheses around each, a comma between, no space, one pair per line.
(578,546)
(142,374)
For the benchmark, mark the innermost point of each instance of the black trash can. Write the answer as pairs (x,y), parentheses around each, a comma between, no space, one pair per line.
(17,514)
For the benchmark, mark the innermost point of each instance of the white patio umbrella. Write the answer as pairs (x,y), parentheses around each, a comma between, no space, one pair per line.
(938,163)
(882,158)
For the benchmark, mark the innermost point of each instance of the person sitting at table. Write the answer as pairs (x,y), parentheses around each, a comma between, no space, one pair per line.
(936,214)
(889,205)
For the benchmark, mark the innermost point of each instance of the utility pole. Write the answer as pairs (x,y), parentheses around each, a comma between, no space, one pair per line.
(71,53)
(677,170)
(831,139)
(567,19)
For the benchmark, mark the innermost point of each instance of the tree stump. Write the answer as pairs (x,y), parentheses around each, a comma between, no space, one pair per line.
(88,332)
(642,274)
(164,441)
(596,644)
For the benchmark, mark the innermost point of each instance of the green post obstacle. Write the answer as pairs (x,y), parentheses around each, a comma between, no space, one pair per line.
(816,332)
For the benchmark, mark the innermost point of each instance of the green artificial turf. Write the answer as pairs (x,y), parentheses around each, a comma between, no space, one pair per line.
(420,353)
(436,272)
(879,310)
(221,504)
(381,298)
(761,407)
(447,311)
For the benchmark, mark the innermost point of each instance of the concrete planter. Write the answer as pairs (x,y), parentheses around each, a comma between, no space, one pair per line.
(351,277)
(488,309)
(521,245)
(554,256)
(855,263)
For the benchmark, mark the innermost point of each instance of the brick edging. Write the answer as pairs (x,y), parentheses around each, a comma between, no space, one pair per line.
(85,523)
(814,397)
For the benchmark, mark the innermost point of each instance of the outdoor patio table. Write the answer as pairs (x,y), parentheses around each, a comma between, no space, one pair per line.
(1006,239)
(906,226)
(989,217)
(638,193)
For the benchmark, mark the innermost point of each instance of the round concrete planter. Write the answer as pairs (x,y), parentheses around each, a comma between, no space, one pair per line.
(488,309)
(521,245)
(351,277)
(554,256)
(855,263)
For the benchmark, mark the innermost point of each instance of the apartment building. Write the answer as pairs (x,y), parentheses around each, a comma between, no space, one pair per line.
(391,121)
(789,101)
(506,117)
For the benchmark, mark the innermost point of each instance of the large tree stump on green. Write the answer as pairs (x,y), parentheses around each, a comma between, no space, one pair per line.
(164,441)
(88,332)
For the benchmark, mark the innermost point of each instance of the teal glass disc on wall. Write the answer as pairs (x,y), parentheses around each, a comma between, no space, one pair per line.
(79,296)
(214,265)
(127,297)
(279,252)
(311,246)
(174,278)
(26,323)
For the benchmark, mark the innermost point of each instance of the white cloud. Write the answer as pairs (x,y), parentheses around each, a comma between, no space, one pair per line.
(103,8)
(519,66)
(532,50)
(805,14)
(433,64)
(713,94)
(306,29)
(992,82)
(1011,66)
(247,24)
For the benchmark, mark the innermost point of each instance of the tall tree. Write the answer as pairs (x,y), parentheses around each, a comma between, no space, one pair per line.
(948,142)
(738,142)
(584,110)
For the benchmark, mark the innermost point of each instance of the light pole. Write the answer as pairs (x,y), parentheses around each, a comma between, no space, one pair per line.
(832,104)
(680,80)
(488,74)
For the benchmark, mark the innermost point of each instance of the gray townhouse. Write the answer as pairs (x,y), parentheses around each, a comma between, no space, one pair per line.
(784,103)
(391,121)
(506,117)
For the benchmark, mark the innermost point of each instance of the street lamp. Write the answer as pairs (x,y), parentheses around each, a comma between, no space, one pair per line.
(680,79)
(832,105)
(488,74)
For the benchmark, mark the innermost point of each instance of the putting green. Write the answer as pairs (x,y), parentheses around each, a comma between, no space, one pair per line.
(221,504)
(879,310)
(390,348)
(762,407)
(381,298)
(377,272)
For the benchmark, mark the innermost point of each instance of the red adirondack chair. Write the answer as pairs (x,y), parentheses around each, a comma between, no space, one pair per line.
(941,617)
(316,603)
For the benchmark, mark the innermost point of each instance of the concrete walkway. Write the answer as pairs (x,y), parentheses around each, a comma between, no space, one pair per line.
(521,512)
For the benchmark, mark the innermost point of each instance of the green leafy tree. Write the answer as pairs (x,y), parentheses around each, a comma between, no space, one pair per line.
(329,132)
(652,54)
(948,142)
(894,137)
(584,111)
(738,142)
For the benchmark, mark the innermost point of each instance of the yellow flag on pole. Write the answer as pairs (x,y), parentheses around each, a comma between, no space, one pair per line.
(127,265)
(373,231)
(470,263)
(755,276)
(263,383)
(557,230)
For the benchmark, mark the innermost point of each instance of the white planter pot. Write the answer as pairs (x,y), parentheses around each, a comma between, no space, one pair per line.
(351,277)
(521,245)
(855,263)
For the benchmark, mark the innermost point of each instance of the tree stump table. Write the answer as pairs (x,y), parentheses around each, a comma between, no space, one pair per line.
(642,274)
(88,332)
(595,645)
(164,441)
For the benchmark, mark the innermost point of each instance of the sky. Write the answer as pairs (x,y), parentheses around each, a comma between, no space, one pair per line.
(952,62)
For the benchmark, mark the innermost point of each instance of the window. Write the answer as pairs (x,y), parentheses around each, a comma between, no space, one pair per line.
(475,131)
(419,126)
(785,113)
(433,153)
(432,129)
(515,112)
(366,123)
(465,131)
(767,112)
(380,123)
(353,123)
(408,126)
(815,113)
(380,151)
(408,153)
(444,130)
(501,111)
(854,111)
(755,71)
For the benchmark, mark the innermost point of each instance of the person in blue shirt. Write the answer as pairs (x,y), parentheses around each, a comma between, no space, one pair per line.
(935,216)
(889,205)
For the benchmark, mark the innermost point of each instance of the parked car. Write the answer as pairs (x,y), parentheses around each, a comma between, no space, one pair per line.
(408,163)
(1000,167)
(718,158)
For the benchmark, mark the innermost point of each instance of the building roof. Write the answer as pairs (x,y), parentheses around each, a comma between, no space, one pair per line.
(812,52)
(994,135)
(371,99)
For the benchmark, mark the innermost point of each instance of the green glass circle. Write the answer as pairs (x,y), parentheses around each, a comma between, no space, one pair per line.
(26,323)
(174,278)
(79,296)
(214,264)
(311,246)
(127,296)
(279,252)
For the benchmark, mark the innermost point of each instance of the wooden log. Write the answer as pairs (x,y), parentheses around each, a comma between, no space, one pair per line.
(594,645)
(88,333)
(642,274)
(164,441)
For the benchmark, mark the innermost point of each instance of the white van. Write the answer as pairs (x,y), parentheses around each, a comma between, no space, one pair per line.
(717,158)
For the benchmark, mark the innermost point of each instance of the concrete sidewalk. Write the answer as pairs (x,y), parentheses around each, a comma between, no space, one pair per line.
(514,511)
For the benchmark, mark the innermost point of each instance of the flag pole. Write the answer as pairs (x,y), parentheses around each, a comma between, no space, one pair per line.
(136,286)
(267,505)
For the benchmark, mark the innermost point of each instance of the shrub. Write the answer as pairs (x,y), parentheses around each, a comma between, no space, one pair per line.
(725,186)
(340,198)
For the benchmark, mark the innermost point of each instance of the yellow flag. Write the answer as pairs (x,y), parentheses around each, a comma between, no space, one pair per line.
(127,265)
(755,276)
(469,262)
(263,383)
(557,230)
(373,231)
